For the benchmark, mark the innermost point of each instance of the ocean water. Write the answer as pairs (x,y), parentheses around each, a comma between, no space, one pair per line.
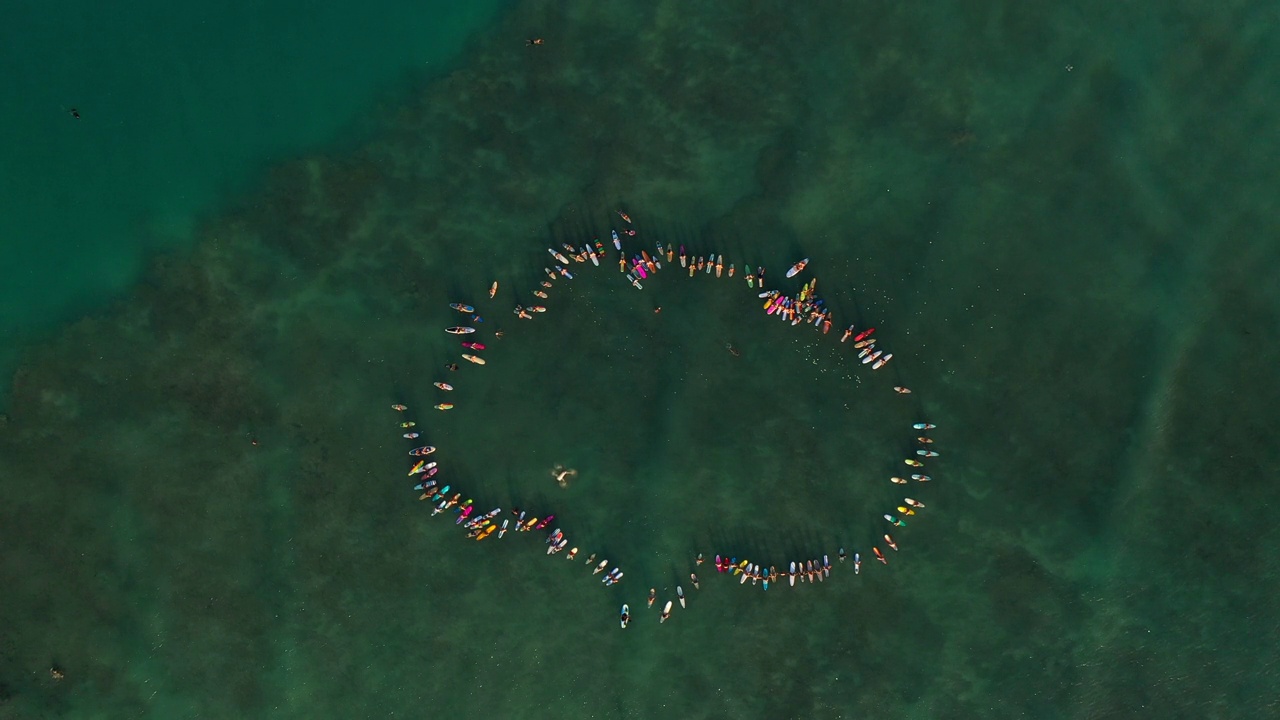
(180,109)
(1061,221)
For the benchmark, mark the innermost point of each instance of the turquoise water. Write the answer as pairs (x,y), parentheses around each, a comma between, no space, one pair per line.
(1060,219)
(181,109)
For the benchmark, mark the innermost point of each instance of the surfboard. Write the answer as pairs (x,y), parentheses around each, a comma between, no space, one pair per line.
(795,269)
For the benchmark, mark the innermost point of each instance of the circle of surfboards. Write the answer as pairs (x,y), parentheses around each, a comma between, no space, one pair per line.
(806,307)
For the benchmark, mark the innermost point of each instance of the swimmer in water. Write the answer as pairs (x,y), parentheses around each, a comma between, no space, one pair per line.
(73,113)
(562,474)
(532,41)
(699,559)
(451,366)
(732,350)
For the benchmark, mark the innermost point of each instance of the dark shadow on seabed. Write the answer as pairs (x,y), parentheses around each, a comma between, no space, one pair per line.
(1061,259)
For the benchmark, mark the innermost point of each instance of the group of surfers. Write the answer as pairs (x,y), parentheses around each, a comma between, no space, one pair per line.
(806,307)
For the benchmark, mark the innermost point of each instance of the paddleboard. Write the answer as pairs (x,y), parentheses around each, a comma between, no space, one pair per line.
(493,289)
(626,616)
(444,406)
(443,386)
(680,594)
(924,426)
(795,269)
(424,450)
(474,359)
(460,330)
(462,308)
(666,612)
(617,242)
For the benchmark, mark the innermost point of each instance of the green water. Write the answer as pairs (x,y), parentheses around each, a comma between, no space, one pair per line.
(181,108)
(1060,219)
